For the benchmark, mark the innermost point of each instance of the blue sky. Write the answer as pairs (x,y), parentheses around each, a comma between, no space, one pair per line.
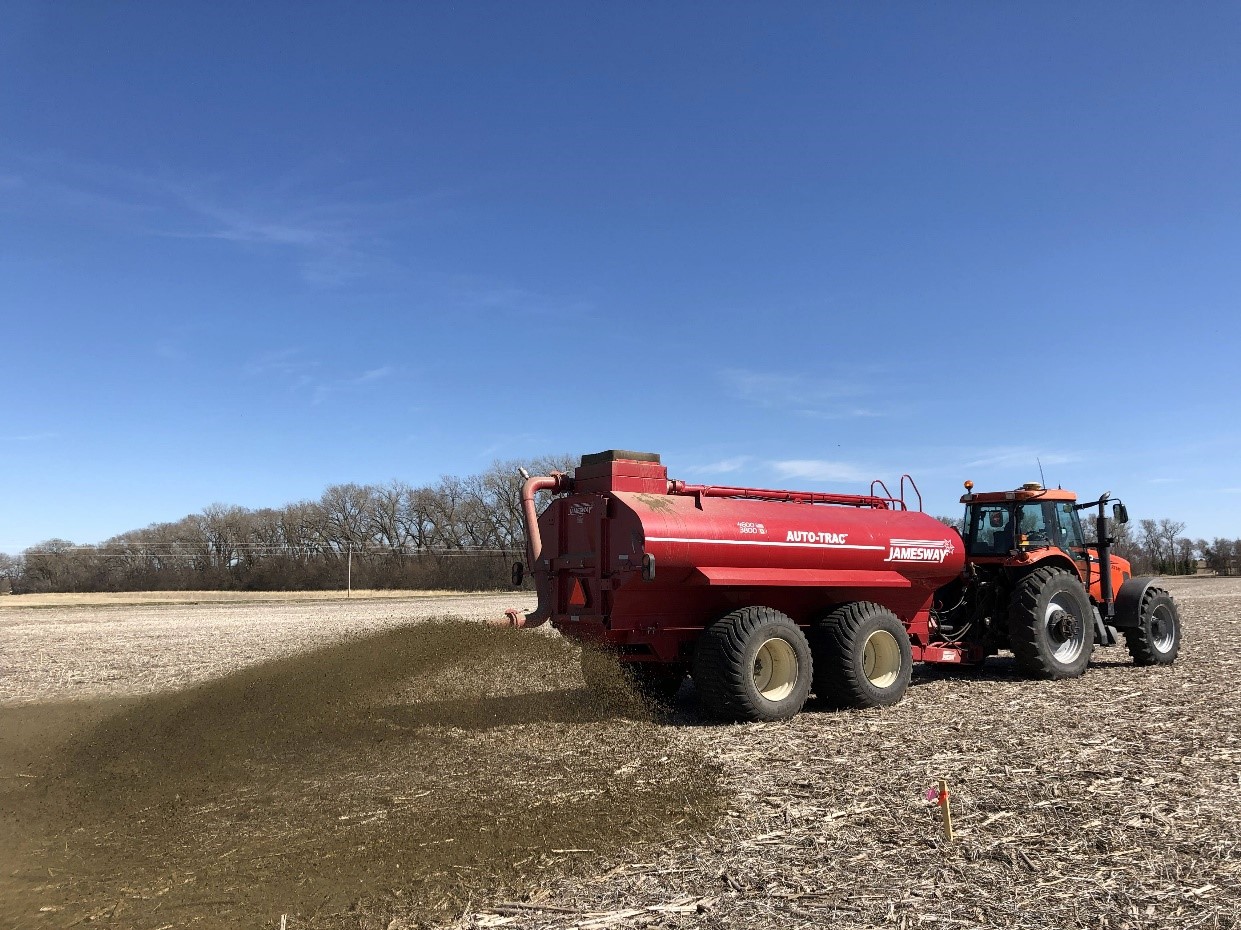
(250,250)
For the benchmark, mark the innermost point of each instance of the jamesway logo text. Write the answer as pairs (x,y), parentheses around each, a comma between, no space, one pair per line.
(919,550)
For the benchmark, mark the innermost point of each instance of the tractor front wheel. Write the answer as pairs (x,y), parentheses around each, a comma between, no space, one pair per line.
(1157,638)
(753,664)
(1050,624)
(862,656)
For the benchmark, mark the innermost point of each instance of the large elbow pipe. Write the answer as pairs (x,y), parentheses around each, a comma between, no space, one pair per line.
(555,482)
(534,539)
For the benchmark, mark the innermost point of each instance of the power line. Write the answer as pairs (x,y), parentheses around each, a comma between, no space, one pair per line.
(109,552)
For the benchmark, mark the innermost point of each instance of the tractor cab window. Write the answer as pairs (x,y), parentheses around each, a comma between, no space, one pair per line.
(1034,529)
(989,529)
(1070,526)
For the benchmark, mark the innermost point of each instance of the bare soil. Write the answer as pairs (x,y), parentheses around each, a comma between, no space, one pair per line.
(401,771)
(95,647)
(132,598)
(447,773)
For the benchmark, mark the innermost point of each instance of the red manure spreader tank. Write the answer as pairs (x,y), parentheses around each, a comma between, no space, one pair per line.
(763,596)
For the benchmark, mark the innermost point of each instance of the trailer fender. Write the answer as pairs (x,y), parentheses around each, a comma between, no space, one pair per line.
(1129,602)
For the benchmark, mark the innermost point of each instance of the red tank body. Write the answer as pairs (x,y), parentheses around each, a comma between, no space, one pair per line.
(706,551)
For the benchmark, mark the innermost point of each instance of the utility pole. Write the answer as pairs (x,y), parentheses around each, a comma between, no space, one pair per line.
(349,573)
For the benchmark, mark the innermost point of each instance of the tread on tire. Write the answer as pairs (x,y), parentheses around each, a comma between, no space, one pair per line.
(1145,643)
(726,660)
(1033,644)
(840,646)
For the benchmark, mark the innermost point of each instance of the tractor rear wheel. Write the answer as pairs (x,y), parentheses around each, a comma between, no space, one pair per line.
(1157,638)
(862,656)
(1051,624)
(753,664)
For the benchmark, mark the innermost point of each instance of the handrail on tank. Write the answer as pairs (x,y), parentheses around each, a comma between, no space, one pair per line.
(887,495)
(768,494)
(910,479)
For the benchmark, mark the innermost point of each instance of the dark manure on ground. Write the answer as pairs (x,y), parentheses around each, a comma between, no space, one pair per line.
(398,774)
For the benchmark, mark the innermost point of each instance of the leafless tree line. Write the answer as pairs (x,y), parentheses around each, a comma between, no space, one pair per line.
(458,534)
(1156,547)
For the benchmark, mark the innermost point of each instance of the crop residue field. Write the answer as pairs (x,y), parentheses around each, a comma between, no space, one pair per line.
(334,763)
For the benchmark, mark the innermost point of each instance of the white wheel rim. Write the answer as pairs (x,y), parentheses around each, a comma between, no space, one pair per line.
(881,659)
(1070,648)
(775,669)
(1163,616)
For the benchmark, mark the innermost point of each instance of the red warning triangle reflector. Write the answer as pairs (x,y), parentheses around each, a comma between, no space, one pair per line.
(577,596)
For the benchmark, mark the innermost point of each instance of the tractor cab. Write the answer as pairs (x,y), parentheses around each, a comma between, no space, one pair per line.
(1007,524)
(1031,526)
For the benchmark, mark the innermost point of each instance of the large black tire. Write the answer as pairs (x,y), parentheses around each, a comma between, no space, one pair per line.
(1157,638)
(754,664)
(862,656)
(1051,624)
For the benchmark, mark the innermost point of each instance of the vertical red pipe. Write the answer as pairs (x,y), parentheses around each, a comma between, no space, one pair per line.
(534,540)
(556,482)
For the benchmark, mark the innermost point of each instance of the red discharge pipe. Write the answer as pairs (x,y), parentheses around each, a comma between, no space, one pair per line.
(555,482)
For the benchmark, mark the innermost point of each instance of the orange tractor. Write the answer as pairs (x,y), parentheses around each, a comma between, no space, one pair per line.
(1034,585)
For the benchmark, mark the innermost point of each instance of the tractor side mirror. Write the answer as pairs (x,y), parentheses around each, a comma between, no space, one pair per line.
(1119,513)
(648,567)
(519,574)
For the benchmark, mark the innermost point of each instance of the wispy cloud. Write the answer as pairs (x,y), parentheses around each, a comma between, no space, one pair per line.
(29,437)
(304,375)
(479,294)
(331,233)
(818,470)
(722,467)
(329,389)
(1007,456)
(375,374)
(290,360)
(821,395)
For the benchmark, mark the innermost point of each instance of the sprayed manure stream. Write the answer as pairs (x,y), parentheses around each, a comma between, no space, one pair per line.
(397,774)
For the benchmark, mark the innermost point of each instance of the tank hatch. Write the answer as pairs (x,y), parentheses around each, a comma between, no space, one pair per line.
(618,455)
(621,470)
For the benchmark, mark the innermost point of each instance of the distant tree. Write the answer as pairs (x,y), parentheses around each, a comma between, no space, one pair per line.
(957,523)
(1151,544)
(1169,532)
(1220,555)
(1184,555)
(53,565)
(10,572)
